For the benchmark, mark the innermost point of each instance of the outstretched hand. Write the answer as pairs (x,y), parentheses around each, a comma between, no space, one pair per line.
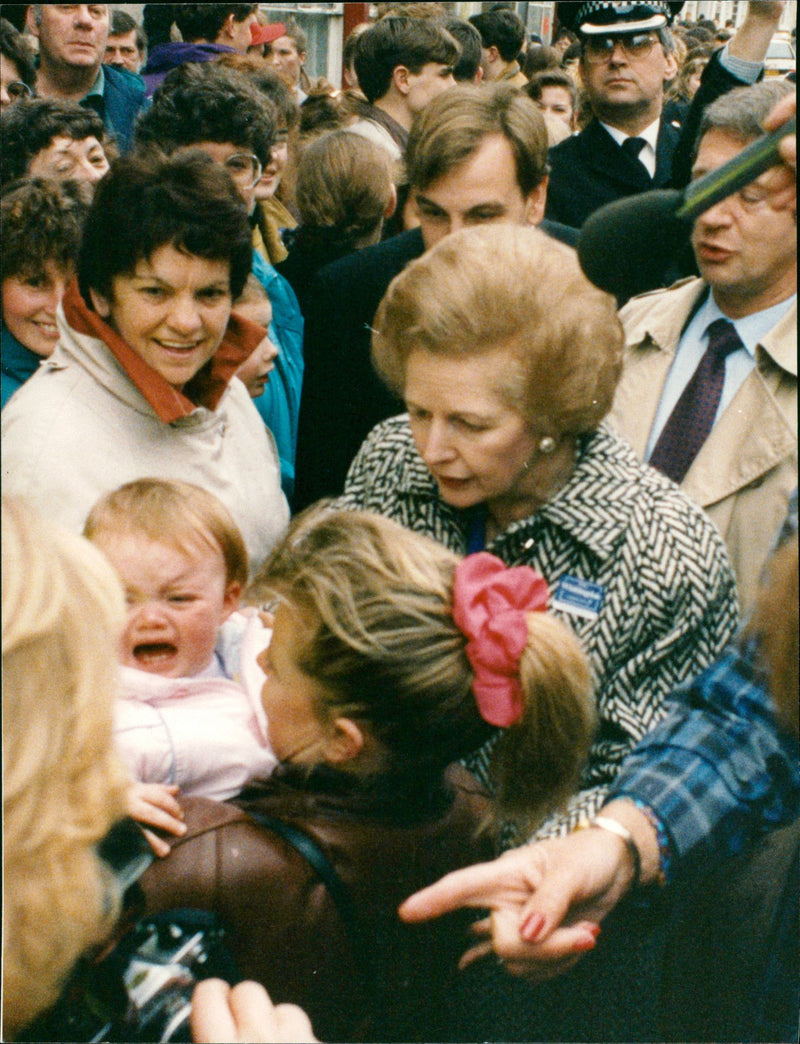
(545,901)
(221,1013)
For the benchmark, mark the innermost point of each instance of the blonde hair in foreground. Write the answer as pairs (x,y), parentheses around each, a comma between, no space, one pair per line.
(375,604)
(62,785)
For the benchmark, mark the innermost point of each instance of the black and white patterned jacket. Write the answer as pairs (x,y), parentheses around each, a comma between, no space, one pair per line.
(668,591)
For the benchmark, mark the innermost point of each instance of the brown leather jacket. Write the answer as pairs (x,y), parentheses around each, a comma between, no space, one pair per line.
(283,927)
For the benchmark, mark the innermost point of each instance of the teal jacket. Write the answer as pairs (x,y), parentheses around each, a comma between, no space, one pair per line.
(17,362)
(279,403)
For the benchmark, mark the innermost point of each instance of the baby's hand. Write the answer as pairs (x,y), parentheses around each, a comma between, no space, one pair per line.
(265,615)
(155,804)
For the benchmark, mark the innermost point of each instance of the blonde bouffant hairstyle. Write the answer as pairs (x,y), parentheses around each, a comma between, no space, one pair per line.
(63,787)
(374,603)
(506,286)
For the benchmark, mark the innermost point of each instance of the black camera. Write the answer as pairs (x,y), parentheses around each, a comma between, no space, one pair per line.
(140,989)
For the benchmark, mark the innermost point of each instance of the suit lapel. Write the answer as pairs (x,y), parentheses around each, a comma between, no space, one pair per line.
(609,162)
(736,453)
(665,149)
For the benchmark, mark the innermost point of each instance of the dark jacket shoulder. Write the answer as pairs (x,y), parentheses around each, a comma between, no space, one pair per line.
(377,264)
(590,169)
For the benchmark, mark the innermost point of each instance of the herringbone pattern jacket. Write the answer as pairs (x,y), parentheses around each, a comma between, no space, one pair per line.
(668,591)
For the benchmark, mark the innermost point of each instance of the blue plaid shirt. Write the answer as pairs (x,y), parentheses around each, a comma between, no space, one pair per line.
(719,770)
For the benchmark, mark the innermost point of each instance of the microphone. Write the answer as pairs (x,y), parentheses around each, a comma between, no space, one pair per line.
(627,247)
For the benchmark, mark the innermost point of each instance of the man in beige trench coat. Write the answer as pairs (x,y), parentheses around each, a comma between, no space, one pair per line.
(746,251)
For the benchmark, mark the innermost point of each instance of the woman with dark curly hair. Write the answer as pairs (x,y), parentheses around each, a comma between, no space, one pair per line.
(51,138)
(41,223)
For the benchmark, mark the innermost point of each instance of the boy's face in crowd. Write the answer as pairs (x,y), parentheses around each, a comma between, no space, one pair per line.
(178,597)
(241,38)
(286,58)
(481,190)
(273,172)
(432,79)
(254,372)
(29,307)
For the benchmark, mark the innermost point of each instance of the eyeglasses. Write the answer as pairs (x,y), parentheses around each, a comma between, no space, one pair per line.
(244,168)
(17,89)
(597,49)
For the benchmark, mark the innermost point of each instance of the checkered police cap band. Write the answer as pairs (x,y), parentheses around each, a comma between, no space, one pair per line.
(605,16)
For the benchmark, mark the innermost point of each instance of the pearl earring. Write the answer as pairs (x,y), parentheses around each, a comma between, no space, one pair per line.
(547,445)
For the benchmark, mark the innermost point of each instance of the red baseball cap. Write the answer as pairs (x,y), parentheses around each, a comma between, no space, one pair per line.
(261,34)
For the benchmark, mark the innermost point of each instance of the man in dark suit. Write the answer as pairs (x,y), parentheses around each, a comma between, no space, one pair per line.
(472,157)
(627,55)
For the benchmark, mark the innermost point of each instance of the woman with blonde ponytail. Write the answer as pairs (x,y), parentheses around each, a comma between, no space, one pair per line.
(390,660)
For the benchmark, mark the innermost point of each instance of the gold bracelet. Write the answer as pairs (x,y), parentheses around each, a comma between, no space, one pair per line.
(613,827)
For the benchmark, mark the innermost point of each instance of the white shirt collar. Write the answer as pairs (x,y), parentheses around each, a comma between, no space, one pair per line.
(650,134)
(752,329)
(647,157)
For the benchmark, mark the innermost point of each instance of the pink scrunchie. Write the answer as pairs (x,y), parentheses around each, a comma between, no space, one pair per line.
(489,606)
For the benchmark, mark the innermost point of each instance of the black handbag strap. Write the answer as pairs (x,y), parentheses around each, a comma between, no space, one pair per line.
(362,945)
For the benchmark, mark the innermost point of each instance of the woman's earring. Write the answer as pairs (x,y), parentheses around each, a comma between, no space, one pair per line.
(547,445)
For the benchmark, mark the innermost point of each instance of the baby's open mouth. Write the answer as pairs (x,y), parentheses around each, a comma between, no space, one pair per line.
(153,653)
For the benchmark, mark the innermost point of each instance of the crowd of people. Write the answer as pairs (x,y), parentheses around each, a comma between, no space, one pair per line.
(439,636)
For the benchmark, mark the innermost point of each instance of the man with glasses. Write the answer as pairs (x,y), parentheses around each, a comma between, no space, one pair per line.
(626,55)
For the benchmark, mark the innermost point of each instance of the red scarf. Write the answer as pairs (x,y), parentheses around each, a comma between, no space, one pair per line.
(207,386)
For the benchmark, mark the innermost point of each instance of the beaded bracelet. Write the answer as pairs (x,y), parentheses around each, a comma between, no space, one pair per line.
(662,838)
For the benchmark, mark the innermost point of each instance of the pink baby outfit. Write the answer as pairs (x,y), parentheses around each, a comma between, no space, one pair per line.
(207,733)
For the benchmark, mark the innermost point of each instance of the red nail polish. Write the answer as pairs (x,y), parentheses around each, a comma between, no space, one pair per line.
(582,945)
(531,927)
(594,929)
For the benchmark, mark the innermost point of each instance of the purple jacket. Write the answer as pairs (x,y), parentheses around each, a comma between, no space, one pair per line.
(167,56)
